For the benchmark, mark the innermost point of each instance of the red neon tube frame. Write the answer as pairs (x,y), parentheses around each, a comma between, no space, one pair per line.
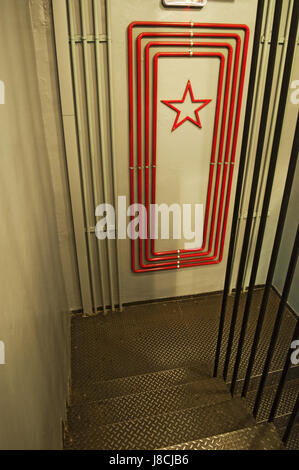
(176,24)
(188,34)
(214,141)
(182,54)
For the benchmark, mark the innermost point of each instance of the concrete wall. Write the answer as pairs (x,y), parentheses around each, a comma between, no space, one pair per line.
(34,319)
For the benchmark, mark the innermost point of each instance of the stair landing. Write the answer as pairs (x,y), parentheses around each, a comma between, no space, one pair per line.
(141,379)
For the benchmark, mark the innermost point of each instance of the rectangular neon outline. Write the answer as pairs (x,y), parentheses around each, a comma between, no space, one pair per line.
(219,223)
(187,54)
(223,126)
(214,44)
(131,122)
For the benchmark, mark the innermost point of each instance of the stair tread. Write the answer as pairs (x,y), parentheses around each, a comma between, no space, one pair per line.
(166,429)
(137,383)
(150,402)
(293,440)
(259,437)
(286,403)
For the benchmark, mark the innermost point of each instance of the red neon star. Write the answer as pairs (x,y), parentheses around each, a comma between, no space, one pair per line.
(179,122)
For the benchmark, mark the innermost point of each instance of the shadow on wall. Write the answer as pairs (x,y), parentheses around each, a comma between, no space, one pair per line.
(33,322)
(286,247)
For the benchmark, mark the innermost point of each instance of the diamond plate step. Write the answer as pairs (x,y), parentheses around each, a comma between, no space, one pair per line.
(137,383)
(161,430)
(168,335)
(196,394)
(272,379)
(259,437)
(293,441)
(286,404)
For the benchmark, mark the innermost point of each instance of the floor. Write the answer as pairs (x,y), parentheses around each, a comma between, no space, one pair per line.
(166,337)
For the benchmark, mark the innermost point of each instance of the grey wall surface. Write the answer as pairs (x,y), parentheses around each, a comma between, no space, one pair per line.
(286,247)
(193,280)
(34,319)
(45,59)
(173,170)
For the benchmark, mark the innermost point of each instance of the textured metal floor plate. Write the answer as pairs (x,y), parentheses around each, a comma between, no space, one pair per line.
(293,441)
(260,437)
(286,404)
(151,402)
(137,383)
(161,430)
(124,358)
(167,335)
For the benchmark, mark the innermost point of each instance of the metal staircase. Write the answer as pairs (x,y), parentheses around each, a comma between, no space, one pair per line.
(141,380)
(156,376)
(171,411)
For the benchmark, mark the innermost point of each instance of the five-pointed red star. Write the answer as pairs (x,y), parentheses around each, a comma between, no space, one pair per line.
(179,122)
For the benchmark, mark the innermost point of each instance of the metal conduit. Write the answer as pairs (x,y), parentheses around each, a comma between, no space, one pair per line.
(91,139)
(83,169)
(112,136)
(103,146)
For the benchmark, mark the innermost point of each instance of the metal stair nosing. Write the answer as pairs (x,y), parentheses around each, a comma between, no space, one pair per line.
(272,379)
(285,407)
(150,402)
(120,386)
(258,437)
(164,429)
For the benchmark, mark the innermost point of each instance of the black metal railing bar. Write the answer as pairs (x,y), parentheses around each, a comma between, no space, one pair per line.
(255,180)
(250,95)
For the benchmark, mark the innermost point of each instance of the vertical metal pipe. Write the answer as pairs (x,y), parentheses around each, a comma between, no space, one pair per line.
(112,135)
(291,421)
(81,151)
(274,254)
(283,377)
(267,195)
(63,55)
(255,179)
(103,143)
(275,333)
(254,61)
(91,137)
